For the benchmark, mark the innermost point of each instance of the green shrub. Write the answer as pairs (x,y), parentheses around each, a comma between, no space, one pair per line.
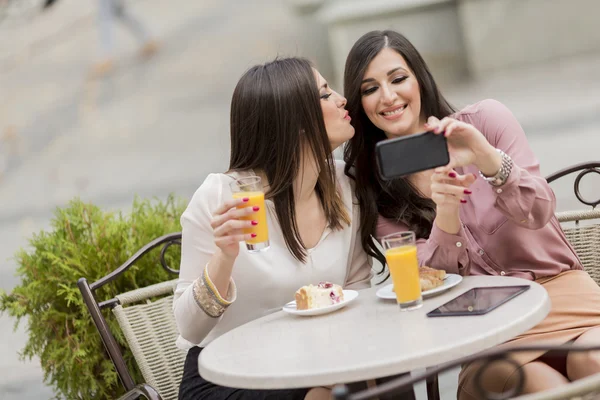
(85,241)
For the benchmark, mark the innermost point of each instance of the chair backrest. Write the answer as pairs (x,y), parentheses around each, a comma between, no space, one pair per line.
(585,238)
(147,322)
(150,330)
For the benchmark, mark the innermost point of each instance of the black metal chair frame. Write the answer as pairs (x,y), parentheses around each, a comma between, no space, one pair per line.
(95,308)
(494,355)
(585,168)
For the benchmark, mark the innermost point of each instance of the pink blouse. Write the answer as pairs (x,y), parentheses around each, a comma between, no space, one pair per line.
(508,230)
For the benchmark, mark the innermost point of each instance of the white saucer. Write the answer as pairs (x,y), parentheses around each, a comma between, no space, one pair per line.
(450,281)
(349,296)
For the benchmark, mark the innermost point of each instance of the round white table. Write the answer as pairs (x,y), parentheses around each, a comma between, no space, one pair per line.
(370,338)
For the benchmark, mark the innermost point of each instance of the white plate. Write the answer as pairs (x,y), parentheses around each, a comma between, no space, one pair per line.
(349,296)
(451,280)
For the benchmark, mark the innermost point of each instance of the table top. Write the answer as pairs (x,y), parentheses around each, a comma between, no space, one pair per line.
(367,339)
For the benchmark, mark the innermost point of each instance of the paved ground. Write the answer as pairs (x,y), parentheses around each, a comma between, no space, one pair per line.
(161,126)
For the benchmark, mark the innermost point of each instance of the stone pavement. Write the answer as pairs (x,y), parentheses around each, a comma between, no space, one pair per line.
(160,126)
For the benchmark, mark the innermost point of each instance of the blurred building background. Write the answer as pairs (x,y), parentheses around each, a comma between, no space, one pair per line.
(160,126)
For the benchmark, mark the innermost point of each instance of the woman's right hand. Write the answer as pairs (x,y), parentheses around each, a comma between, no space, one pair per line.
(228,227)
(449,190)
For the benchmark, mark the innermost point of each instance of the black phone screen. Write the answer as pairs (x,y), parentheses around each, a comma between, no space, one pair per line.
(478,301)
(410,154)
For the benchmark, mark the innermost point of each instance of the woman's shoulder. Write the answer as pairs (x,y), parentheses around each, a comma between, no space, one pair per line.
(211,192)
(488,116)
(485,108)
(213,182)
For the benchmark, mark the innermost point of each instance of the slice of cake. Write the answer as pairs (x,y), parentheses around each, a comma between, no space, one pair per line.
(431,278)
(427,271)
(322,295)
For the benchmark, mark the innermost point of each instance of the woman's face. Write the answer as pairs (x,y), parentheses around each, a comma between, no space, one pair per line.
(337,120)
(390,95)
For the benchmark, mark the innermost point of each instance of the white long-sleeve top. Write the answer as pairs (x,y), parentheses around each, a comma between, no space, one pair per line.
(265,281)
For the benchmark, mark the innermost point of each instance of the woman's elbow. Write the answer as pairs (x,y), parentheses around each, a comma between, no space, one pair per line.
(537,220)
(541,216)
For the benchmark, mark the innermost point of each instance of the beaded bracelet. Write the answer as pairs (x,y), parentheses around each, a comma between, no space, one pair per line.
(208,297)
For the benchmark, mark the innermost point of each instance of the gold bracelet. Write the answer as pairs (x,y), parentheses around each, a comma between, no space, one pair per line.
(209,299)
(215,293)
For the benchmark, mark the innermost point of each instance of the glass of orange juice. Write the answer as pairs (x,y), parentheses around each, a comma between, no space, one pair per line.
(401,256)
(251,187)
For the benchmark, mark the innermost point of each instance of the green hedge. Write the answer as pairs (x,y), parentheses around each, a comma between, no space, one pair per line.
(85,241)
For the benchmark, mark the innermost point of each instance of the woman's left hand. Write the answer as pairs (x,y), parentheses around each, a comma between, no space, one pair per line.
(466,145)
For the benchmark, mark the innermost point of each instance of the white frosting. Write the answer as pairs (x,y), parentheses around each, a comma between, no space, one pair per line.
(321,297)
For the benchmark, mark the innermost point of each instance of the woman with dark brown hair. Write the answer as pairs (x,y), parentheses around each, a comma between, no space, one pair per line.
(488,212)
(285,123)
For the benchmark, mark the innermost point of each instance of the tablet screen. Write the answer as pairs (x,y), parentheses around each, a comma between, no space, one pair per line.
(478,301)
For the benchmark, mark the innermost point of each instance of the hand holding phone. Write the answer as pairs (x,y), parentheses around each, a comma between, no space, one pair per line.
(410,154)
(466,144)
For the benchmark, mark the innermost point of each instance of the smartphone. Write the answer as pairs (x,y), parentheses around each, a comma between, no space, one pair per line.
(409,154)
(478,301)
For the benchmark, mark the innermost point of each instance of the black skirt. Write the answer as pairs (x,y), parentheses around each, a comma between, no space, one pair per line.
(194,387)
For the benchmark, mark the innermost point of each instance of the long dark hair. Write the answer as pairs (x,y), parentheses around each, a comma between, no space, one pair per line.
(397,200)
(275,116)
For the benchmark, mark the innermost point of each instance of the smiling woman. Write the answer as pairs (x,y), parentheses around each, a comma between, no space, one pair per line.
(501,223)
(378,80)
(390,97)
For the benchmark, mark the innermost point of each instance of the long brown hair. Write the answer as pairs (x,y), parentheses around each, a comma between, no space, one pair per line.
(397,200)
(275,116)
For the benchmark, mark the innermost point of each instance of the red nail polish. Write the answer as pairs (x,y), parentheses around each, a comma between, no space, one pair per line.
(254,223)
(467,191)
(256,208)
(463,201)
(245,199)
(253,235)
(452,175)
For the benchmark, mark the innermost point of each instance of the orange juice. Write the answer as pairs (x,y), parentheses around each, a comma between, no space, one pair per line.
(261,230)
(404,269)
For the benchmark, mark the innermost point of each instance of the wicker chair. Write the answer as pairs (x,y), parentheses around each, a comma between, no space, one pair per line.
(146,319)
(584,239)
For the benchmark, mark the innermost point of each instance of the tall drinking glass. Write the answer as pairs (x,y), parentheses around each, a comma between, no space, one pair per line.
(251,188)
(401,256)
